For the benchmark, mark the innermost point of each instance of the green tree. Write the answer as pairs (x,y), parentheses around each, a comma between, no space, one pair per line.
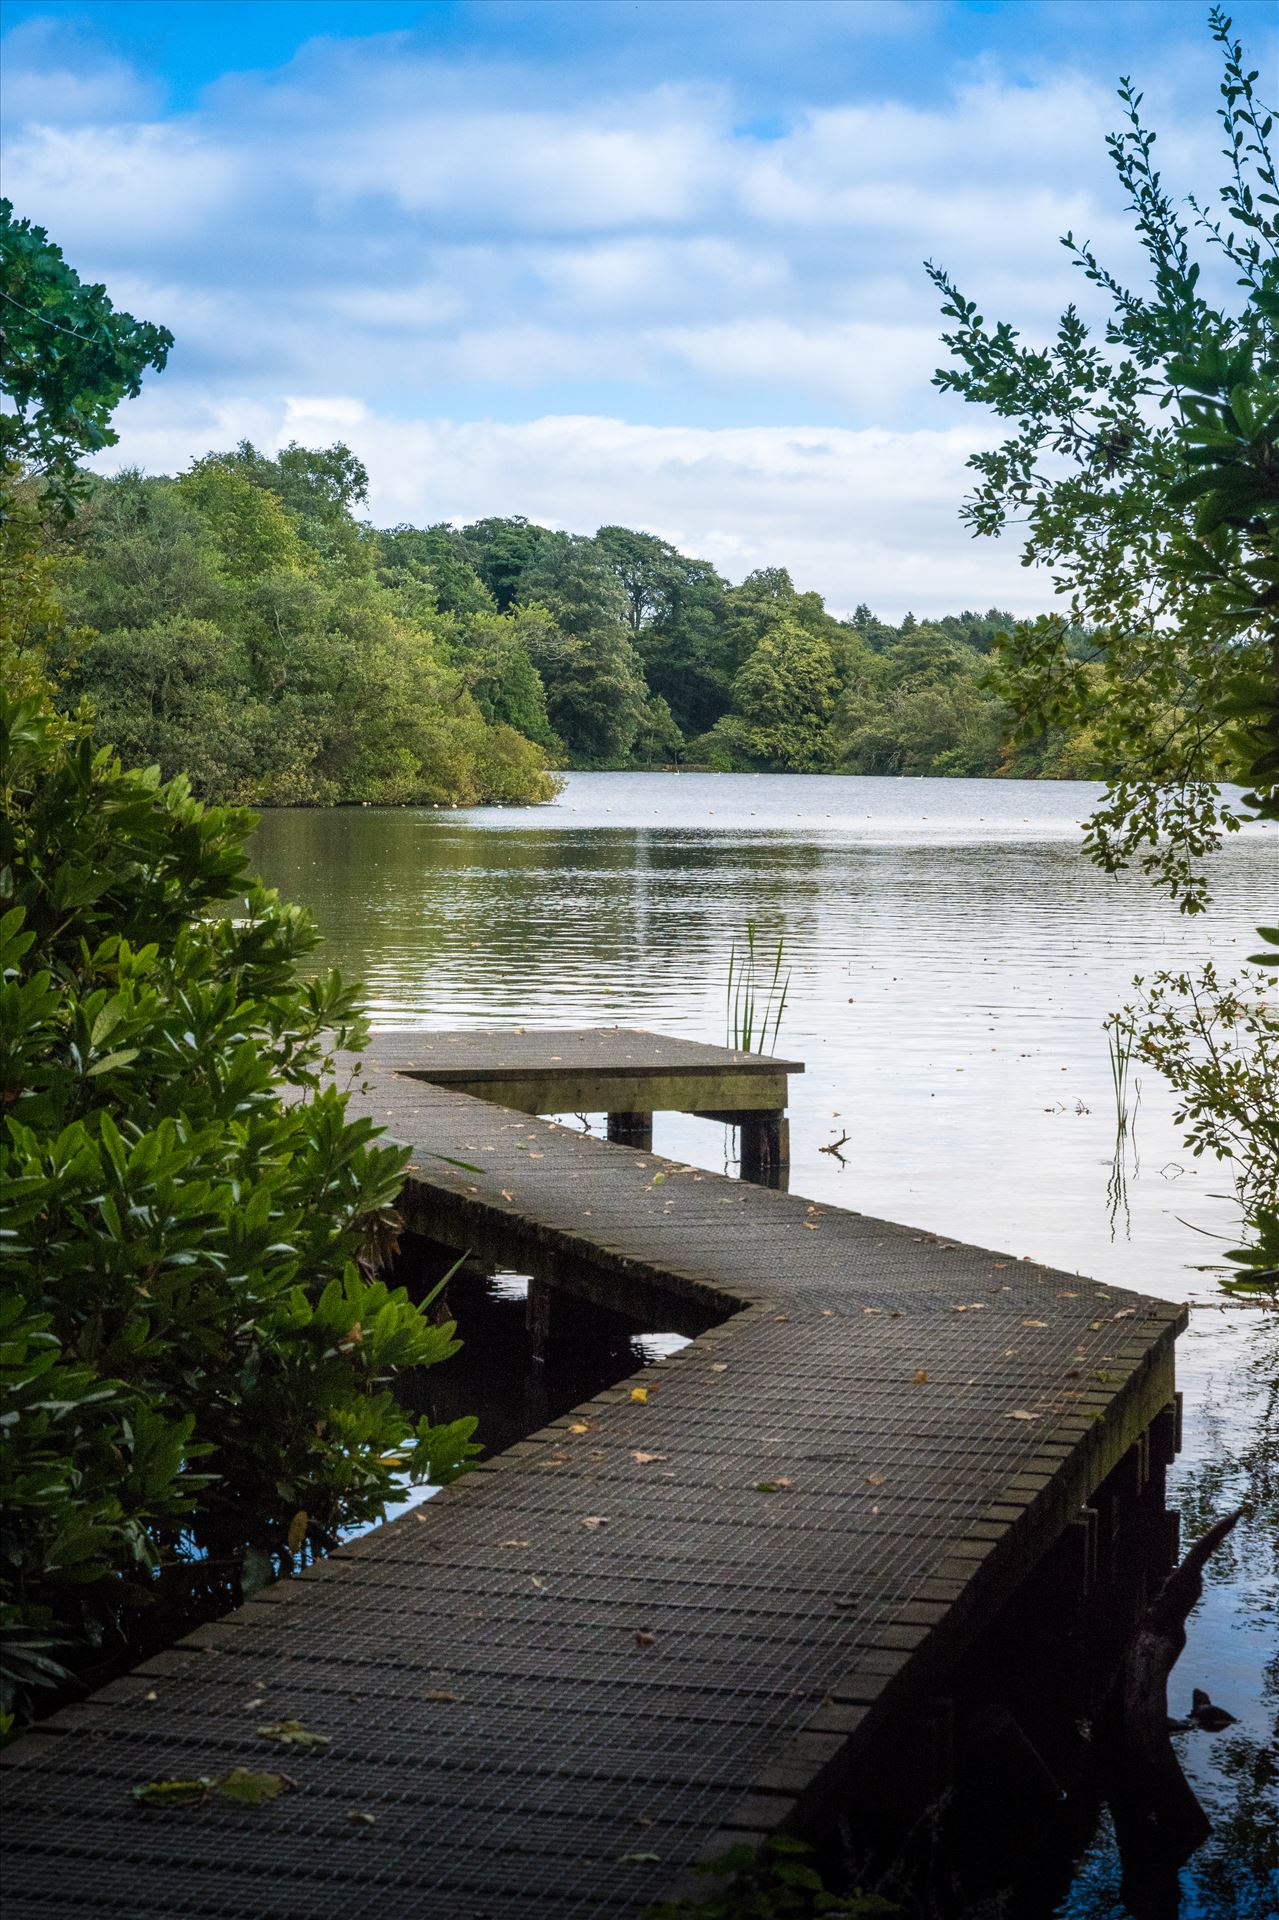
(321,487)
(784,698)
(675,608)
(255,534)
(431,569)
(502,553)
(1145,471)
(213,636)
(595,688)
(506,686)
(67,359)
(197,1349)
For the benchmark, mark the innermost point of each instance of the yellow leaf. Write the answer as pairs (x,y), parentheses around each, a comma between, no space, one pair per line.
(297,1530)
(920,1377)
(640,1394)
(579,1426)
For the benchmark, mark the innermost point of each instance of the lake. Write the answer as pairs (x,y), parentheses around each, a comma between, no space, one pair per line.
(952,956)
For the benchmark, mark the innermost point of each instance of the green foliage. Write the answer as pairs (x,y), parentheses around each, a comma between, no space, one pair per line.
(595,690)
(68,359)
(195,1346)
(1216,1042)
(777,1882)
(1146,474)
(1146,471)
(258,646)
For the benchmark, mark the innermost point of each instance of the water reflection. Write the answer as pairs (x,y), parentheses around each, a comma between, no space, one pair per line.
(953,957)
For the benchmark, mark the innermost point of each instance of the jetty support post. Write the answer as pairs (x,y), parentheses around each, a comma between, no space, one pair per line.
(560,1319)
(631,1130)
(765,1148)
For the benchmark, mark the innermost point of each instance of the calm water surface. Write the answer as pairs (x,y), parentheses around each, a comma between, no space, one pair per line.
(952,956)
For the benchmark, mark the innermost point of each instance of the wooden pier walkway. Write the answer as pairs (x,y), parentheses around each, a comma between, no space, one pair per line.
(670,1620)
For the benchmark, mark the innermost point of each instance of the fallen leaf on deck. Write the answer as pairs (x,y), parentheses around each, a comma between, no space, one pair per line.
(594,1520)
(1034,1323)
(920,1377)
(173,1793)
(635,1859)
(514,1543)
(240,1783)
(644,1639)
(719,1366)
(811,1225)
(359,1818)
(579,1426)
(506,1195)
(1020,1413)
(646,1459)
(252,1789)
(442,1696)
(291,1733)
(640,1394)
(875,1479)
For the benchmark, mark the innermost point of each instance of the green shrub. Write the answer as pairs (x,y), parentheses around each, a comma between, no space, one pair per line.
(195,1348)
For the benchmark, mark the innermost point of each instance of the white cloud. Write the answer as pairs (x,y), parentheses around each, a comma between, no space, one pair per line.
(485,240)
(119,190)
(858,515)
(51,76)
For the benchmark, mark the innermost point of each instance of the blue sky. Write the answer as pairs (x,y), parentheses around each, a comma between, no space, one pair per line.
(656,263)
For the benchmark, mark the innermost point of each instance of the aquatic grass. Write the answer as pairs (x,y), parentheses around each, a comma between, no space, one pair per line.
(755,999)
(1121,1043)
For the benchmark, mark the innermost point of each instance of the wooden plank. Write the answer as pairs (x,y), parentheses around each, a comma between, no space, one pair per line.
(811,1512)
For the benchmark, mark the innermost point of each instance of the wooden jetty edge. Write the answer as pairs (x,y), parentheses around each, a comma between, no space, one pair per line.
(669,1621)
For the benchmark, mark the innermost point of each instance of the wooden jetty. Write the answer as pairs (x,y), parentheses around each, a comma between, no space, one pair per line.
(674,1619)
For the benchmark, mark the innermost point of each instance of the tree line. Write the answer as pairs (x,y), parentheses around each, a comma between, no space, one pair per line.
(243,624)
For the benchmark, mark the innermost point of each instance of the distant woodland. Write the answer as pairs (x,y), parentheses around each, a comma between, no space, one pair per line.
(244,624)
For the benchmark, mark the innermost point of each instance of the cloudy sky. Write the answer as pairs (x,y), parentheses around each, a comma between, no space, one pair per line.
(656,262)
